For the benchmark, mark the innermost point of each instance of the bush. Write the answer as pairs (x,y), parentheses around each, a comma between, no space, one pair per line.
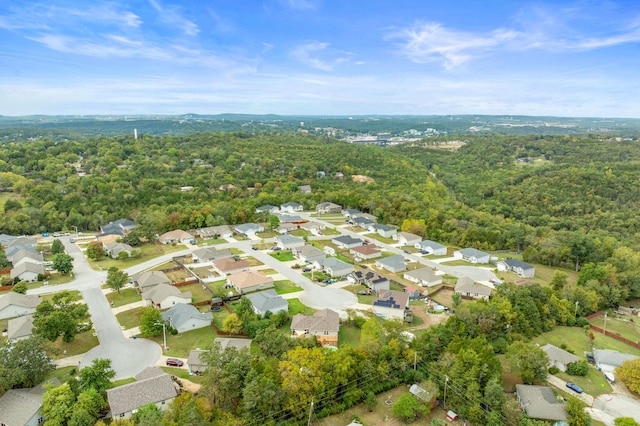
(578,368)
(554,370)
(500,345)
(371,401)
(582,322)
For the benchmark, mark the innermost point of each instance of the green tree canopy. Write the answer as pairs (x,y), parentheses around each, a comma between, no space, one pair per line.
(116,279)
(61,316)
(63,263)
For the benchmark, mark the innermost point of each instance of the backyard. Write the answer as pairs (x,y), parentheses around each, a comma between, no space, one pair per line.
(182,343)
(626,326)
(199,292)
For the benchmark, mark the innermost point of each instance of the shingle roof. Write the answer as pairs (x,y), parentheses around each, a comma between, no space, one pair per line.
(467,285)
(324,320)
(309,251)
(230,264)
(226,342)
(126,398)
(24,300)
(423,274)
(289,239)
(245,227)
(347,240)
(473,252)
(392,299)
(194,357)
(176,234)
(539,402)
(394,262)
(267,300)
(161,291)
(180,313)
(20,327)
(26,254)
(209,253)
(35,268)
(247,279)
(515,263)
(366,250)
(151,278)
(556,354)
(432,244)
(611,357)
(23,241)
(18,406)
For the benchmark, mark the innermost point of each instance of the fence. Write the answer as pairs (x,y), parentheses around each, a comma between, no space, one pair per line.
(609,333)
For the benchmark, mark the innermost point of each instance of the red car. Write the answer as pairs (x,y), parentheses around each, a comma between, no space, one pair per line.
(174,362)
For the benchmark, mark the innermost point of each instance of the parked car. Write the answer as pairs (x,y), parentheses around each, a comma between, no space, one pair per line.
(215,308)
(365,292)
(56,234)
(175,362)
(574,387)
(275,248)
(254,248)
(590,358)
(307,269)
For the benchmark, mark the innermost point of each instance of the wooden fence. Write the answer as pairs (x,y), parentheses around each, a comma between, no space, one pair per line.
(609,333)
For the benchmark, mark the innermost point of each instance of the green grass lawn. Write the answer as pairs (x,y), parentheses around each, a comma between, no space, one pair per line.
(625,325)
(63,374)
(212,241)
(594,383)
(75,293)
(202,272)
(181,344)
(459,262)
(53,279)
(253,261)
(349,335)
(282,256)
(285,286)
(330,231)
(577,340)
(126,296)
(219,317)
(300,233)
(146,252)
(131,318)
(375,236)
(183,374)
(81,344)
(269,271)
(121,382)
(344,258)
(296,307)
(198,293)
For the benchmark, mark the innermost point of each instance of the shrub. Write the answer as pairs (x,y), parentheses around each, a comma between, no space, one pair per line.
(582,322)
(554,370)
(578,368)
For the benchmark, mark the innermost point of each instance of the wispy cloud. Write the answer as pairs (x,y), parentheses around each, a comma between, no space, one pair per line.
(309,54)
(172,15)
(302,4)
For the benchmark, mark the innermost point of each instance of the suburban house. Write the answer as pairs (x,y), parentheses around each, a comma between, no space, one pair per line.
(559,358)
(249,229)
(539,402)
(229,265)
(268,208)
(152,386)
(114,249)
(333,267)
(284,228)
(413,293)
(362,222)
(327,207)
(607,360)
(267,300)
(469,289)
(407,238)
(247,281)
(26,256)
(424,277)
(184,317)
(308,254)
(431,247)
(27,271)
(231,342)
(350,212)
(14,304)
(291,219)
(12,251)
(366,252)
(22,242)
(209,254)
(313,227)
(5,239)
(386,231)
(347,241)
(146,280)
(194,363)
(164,296)
(518,266)
(374,281)
(220,231)
(20,328)
(324,325)
(392,263)
(119,227)
(21,407)
(391,304)
(472,255)
(176,236)
(291,207)
(288,242)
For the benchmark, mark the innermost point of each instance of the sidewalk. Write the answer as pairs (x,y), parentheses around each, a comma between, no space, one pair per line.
(133,305)
(69,361)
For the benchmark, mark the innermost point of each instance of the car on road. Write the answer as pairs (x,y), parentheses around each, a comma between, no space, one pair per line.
(56,234)
(574,387)
(72,240)
(254,248)
(174,362)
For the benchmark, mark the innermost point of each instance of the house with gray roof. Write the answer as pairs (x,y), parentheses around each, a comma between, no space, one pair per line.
(407,238)
(196,364)
(151,387)
(14,304)
(347,241)
(249,229)
(424,277)
(114,249)
(324,325)
(26,256)
(559,358)
(209,254)
(305,189)
(220,231)
(23,242)
(164,296)
(119,227)
(472,255)
(184,317)
(607,360)
(386,231)
(374,281)
(392,263)
(268,208)
(308,253)
(232,342)
(328,207)
(362,222)
(5,239)
(333,267)
(431,247)
(391,304)
(146,280)
(267,301)
(539,402)
(12,250)
(27,271)
(350,212)
(291,207)
(21,407)
(291,218)
(469,289)
(20,328)
(519,267)
(288,242)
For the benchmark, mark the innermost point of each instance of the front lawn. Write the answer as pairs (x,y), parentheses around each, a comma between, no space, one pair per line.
(182,343)
(385,240)
(131,318)
(296,307)
(126,296)
(64,374)
(594,383)
(577,340)
(212,241)
(282,256)
(81,344)
(145,252)
(285,286)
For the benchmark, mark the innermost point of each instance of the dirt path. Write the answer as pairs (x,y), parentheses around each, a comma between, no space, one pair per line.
(429,319)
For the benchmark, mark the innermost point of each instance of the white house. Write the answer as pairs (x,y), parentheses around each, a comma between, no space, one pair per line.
(21,407)
(431,247)
(176,236)
(374,281)
(391,304)
(308,254)
(209,254)
(27,271)
(472,255)
(424,277)
(288,242)
(184,317)
(291,207)
(267,301)
(468,288)
(347,241)
(407,238)
(164,296)
(386,231)
(333,267)
(248,281)
(519,267)
(559,358)
(392,263)
(327,207)
(20,328)
(249,229)
(366,252)
(15,304)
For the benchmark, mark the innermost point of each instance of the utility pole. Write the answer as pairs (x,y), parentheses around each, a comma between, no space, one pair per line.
(605,323)
(310,412)
(415,360)
(446,380)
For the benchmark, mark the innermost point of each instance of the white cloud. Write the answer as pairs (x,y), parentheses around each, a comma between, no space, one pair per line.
(171,15)
(310,54)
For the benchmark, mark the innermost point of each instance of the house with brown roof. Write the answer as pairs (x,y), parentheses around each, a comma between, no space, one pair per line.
(324,325)
(152,386)
(164,296)
(247,281)
(229,265)
(15,304)
(176,236)
(366,252)
(469,289)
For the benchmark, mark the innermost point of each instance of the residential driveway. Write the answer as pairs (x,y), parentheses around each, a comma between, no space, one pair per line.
(561,384)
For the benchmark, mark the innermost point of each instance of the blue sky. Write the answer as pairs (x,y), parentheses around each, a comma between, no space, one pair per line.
(320,57)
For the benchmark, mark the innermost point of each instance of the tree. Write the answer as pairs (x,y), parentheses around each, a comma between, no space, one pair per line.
(408,408)
(457,299)
(61,316)
(57,247)
(97,376)
(95,250)
(559,281)
(629,373)
(4,262)
(576,415)
(25,363)
(302,375)
(57,404)
(20,287)
(116,279)
(232,324)
(529,360)
(87,409)
(245,311)
(625,421)
(148,415)
(63,263)
(272,342)
(185,410)
(151,322)
(578,368)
